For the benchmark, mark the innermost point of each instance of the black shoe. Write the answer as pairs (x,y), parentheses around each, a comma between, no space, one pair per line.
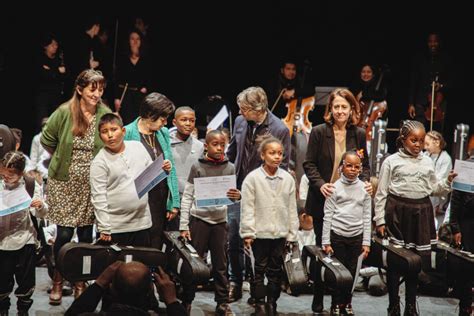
(222,309)
(235,292)
(252,301)
(335,310)
(259,309)
(187,308)
(394,310)
(347,310)
(410,310)
(317,306)
(271,309)
(22,313)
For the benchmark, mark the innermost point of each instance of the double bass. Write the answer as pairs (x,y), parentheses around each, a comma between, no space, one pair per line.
(434,112)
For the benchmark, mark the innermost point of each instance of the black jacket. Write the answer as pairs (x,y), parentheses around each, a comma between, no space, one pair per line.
(319,162)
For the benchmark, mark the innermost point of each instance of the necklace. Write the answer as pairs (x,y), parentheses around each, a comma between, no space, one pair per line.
(150,141)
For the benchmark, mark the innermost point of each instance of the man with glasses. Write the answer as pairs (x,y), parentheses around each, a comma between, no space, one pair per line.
(254,120)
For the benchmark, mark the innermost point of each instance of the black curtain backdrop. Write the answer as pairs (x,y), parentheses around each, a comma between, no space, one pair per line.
(201,49)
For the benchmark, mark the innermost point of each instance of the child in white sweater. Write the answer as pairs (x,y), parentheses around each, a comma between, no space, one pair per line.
(122,217)
(269,219)
(346,227)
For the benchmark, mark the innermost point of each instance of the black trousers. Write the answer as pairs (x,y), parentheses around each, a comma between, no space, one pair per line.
(64,235)
(346,250)
(139,238)
(464,282)
(17,265)
(268,255)
(212,237)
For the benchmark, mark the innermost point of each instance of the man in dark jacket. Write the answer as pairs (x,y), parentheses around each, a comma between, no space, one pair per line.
(255,120)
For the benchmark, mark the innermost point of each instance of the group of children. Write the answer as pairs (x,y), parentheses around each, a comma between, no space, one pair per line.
(269,218)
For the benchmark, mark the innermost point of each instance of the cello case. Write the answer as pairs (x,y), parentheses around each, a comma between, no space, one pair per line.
(378,148)
(184,260)
(295,271)
(84,261)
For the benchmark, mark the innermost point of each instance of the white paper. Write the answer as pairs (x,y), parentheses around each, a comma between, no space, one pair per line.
(150,177)
(464,181)
(219,118)
(359,265)
(249,253)
(212,191)
(12,201)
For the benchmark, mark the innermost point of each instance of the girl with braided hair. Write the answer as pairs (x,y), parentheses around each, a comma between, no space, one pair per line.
(403,208)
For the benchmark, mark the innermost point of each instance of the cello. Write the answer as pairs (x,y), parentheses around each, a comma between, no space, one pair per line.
(372,111)
(296,119)
(434,112)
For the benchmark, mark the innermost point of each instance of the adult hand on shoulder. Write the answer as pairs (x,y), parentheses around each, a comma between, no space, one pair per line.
(368,187)
(327,189)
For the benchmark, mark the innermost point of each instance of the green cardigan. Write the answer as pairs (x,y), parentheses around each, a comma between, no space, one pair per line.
(57,134)
(163,137)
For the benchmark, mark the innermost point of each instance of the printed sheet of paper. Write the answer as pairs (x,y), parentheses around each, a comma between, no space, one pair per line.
(359,265)
(150,177)
(13,201)
(219,118)
(464,181)
(212,191)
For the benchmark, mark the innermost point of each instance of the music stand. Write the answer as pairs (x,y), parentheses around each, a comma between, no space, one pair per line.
(322,94)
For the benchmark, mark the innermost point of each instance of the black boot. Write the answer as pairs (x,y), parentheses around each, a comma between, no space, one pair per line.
(271,307)
(318,298)
(410,310)
(394,309)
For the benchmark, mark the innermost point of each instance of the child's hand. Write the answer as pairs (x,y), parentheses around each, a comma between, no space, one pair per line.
(172,214)
(369,188)
(365,251)
(105,237)
(451,176)
(37,204)
(328,249)
(248,242)
(186,234)
(166,165)
(381,231)
(233,194)
(327,189)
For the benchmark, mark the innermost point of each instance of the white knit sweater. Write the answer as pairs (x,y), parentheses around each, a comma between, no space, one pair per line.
(269,213)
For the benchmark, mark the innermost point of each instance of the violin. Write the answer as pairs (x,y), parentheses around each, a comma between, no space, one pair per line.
(296,118)
(434,112)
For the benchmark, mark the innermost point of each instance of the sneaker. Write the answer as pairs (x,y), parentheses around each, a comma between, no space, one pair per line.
(347,310)
(335,311)
(235,292)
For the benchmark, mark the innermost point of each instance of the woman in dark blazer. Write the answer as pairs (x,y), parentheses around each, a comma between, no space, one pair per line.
(327,142)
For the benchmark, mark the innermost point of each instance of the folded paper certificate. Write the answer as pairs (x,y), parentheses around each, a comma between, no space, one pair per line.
(212,191)
(150,177)
(13,201)
(218,119)
(464,181)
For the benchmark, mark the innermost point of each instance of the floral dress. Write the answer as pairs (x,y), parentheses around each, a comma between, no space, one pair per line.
(70,201)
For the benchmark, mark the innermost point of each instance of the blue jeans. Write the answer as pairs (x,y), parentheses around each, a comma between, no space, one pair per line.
(235,250)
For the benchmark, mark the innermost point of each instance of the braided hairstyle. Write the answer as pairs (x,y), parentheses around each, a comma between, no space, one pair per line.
(407,127)
(439,137)
(15,160)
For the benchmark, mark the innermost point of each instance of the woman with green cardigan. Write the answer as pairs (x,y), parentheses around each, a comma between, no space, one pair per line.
(149,129)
